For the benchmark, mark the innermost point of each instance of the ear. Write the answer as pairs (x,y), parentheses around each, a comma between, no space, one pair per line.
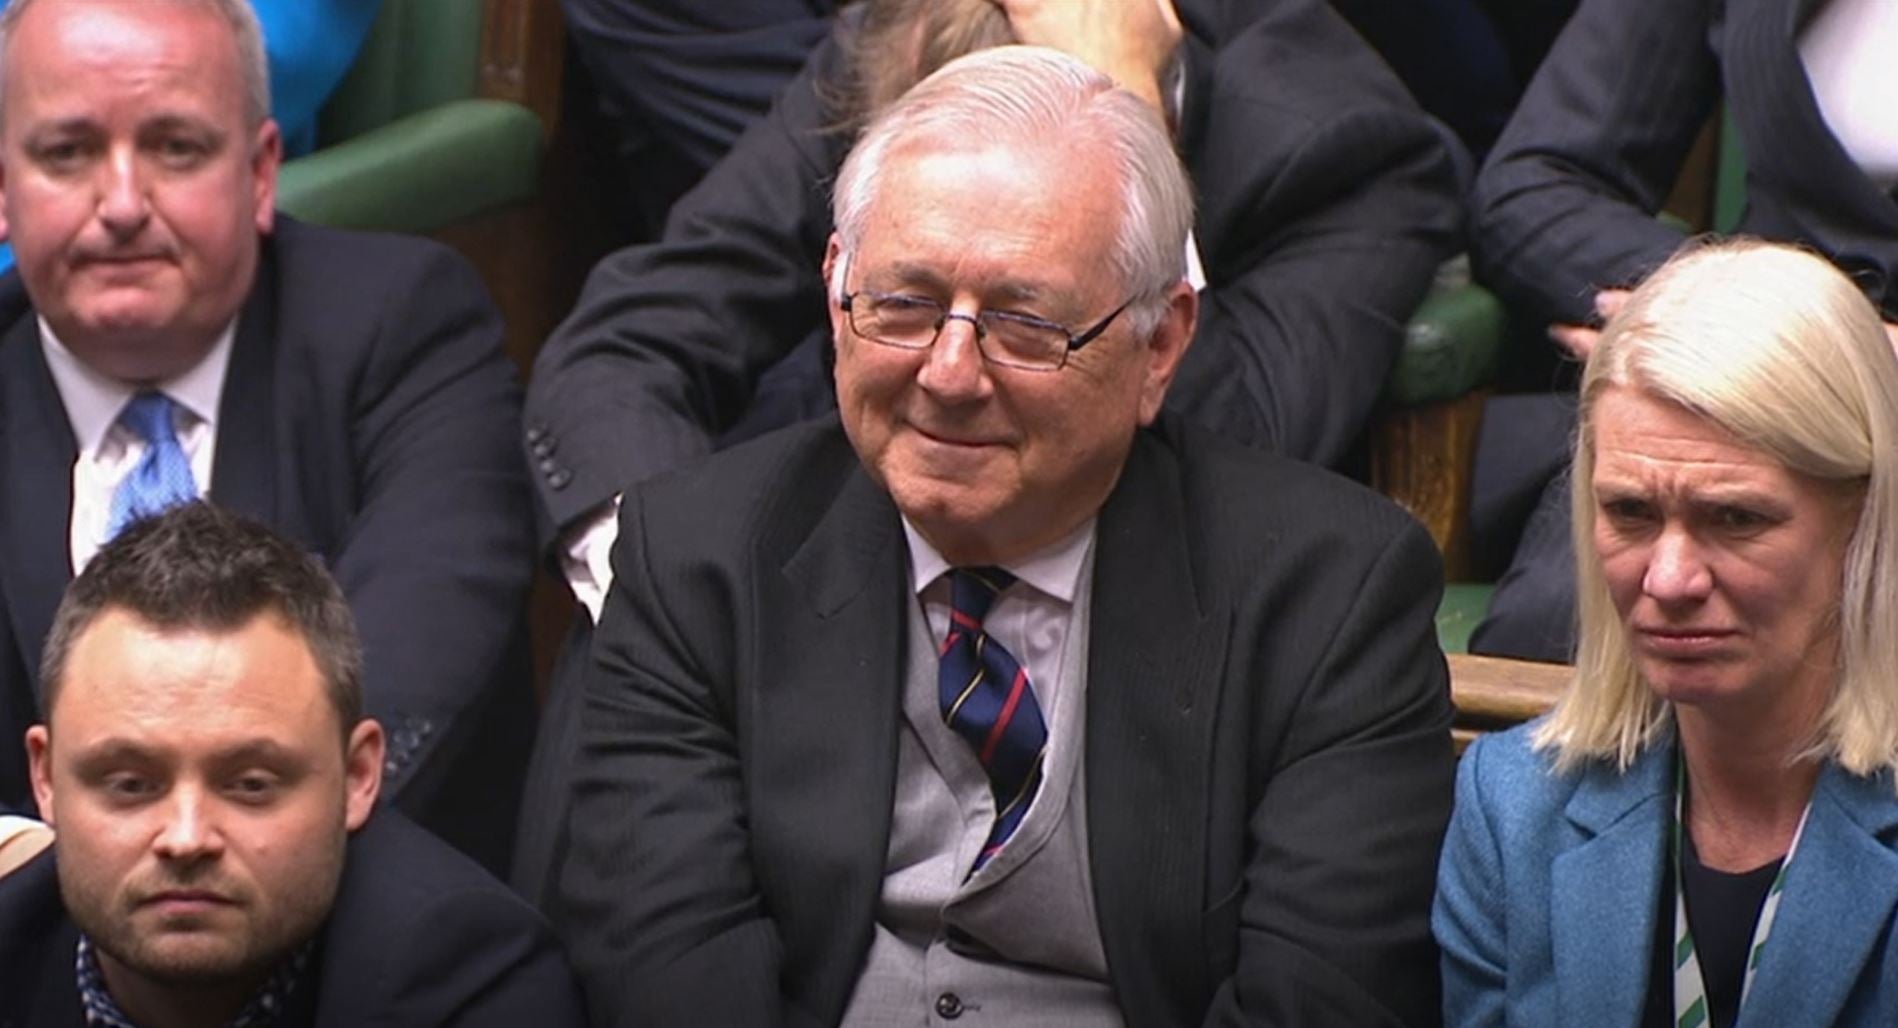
(835,267)
(362,772)
(39,762)
(6,225)
(1167,347)
(265,161)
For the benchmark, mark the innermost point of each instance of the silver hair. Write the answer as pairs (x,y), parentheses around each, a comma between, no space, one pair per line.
(1778,348)
(246,32)
(1029,96)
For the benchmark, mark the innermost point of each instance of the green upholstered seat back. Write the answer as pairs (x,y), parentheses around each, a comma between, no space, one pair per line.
(419,54)
(1729,189)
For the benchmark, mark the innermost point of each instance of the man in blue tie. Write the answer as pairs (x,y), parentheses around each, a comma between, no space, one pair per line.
(167,336)
(1003,694)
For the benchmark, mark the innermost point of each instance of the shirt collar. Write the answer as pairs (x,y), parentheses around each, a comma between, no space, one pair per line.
(263,1010)
(1054,569)
(93,400)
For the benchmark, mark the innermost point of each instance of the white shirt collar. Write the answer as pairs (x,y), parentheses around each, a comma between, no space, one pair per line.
(93,400)
(1054,569)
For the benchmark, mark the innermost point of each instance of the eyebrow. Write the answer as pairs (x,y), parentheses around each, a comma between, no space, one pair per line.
(1617,488)
(171,120)
(914,273)
(118,750)
(61,126)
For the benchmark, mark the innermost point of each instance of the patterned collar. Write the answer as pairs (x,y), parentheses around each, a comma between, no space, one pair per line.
(262,1011)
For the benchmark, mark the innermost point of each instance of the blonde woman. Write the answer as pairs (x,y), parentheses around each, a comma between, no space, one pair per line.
(1705,829)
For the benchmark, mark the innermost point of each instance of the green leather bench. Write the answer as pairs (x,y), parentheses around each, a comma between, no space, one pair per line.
(409,143)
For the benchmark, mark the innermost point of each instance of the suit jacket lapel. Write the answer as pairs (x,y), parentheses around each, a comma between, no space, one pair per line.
(1607,889)
(822,742)
(243,473)
(39,453)
(1841,890)
(1152,681)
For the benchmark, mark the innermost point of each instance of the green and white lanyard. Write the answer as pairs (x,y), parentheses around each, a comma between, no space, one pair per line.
(1690,989)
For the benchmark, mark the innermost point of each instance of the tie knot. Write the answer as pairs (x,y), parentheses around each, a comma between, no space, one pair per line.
(972,591)
(148,415)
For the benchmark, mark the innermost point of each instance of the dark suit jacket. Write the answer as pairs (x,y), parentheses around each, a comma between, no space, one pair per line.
(368,413)
(1551,884)
(1565,205)
(1267,760)
(682,80)
(1326,201)
(419,937)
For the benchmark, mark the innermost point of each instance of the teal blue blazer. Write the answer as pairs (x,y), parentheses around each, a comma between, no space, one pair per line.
(1550,885)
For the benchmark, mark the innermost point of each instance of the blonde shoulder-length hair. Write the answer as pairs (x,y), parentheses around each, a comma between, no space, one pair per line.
(1774,345)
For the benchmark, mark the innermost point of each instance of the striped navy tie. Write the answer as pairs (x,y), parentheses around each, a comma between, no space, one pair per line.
(987,699)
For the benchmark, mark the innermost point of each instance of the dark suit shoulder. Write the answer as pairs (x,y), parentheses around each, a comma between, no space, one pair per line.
(772,489)
(422,934)
(343,284)
(365,260)
(1247,505)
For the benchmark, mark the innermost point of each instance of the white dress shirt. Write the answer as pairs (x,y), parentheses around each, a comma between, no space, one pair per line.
(108,451)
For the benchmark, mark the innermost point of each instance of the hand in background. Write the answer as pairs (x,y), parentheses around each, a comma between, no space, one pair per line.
(1580,340)
(1131,41)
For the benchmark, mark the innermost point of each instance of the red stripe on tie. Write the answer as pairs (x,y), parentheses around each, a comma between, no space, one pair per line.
(965,621)
(947,644)
(1008,714)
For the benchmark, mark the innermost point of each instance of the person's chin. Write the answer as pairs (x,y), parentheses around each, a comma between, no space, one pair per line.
(1691,682)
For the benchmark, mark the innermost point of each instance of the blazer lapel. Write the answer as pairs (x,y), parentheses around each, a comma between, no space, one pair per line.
(821,746)
(39,452)
(1152,692)
(1841,890)
(1605,891)
(243,474)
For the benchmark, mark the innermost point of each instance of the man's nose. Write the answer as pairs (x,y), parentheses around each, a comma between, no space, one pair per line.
(190,831)
(124,205)
(953,368)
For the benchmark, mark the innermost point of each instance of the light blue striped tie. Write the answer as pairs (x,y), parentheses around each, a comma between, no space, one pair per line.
(162,479)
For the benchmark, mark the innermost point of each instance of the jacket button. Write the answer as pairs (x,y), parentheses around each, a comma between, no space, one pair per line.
(948,1006)
(535,433)
(560,478)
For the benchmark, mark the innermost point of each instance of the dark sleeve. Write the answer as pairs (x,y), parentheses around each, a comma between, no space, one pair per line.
(696,74)
(419,935)
(1327,200)
(1565,205)
(1335,915)
(658,902)
(669,339)
(438,553)
(504,962)
(1470,917)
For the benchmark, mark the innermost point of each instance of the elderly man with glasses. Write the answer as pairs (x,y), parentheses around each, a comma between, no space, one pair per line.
(1003,694)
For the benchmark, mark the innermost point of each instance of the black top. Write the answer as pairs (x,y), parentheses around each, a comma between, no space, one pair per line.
(1722,910)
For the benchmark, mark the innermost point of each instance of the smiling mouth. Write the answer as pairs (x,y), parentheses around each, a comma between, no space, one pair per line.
(951,440)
